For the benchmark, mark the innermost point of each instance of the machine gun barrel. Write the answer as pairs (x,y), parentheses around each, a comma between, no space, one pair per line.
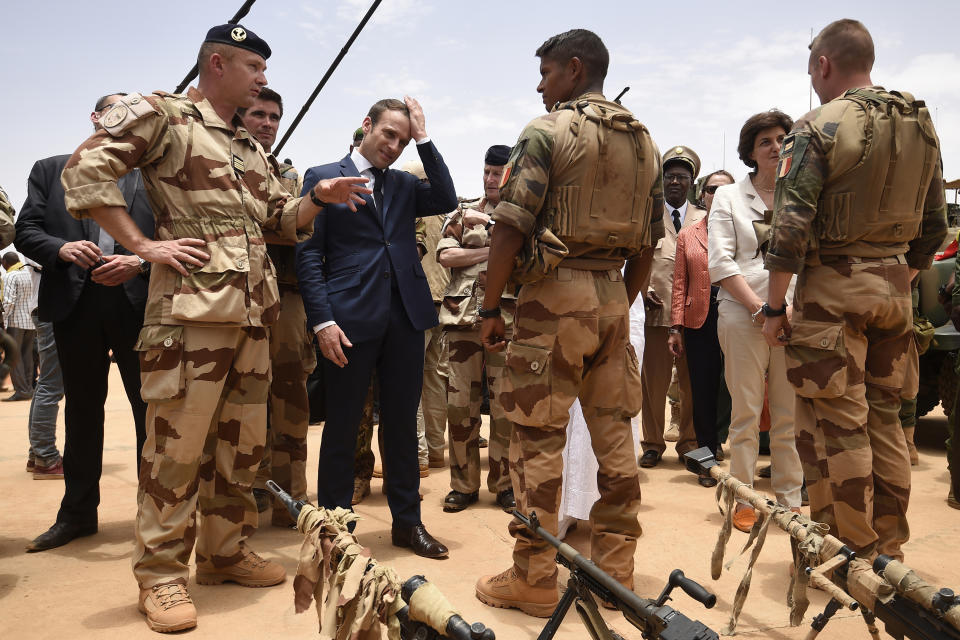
(653,617)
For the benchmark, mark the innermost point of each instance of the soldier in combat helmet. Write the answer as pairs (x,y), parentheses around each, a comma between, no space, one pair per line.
(581,194)
(859,210)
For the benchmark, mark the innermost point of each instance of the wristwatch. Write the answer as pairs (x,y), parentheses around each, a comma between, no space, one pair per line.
(770,312)
(144,266)
(317,201)
(489,313)
(672,330)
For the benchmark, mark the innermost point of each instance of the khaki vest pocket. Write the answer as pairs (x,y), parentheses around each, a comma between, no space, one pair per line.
(161,363)
(817,359)
(217,290)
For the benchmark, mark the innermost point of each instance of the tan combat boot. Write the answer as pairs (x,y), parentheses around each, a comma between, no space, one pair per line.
(911,448)
(508,591)
(168,608)
(251,571)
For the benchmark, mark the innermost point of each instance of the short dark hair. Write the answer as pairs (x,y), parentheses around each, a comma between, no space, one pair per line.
(847,44)
(387,104)
(271,96)
(9,259)
(265,94)
(578,43)
(754,125)
(103,99)
(718,172)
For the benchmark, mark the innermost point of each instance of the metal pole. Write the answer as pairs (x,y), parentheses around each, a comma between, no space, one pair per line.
(326,76)
(237,17)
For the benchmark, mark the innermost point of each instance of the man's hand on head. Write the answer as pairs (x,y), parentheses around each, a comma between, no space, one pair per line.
(83,253)
(418,125)
(117,270)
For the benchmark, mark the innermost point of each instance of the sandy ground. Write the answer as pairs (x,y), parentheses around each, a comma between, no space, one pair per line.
(87,587)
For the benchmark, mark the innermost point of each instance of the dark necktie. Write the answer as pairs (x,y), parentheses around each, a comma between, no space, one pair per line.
(378,189)
(676,220)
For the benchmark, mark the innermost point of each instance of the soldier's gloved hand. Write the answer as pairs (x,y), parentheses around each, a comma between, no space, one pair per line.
(347,190)
(492,332)
(81,252)
(118,270)
(175,253)
(776,331)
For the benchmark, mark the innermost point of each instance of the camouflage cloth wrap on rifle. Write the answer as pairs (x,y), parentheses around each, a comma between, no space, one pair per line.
(584,209)
(7,212)
(292,358)
(205,364)
(888,590)
(467,358)
(859,199)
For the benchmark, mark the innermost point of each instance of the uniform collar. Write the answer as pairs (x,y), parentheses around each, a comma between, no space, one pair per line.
(211,119)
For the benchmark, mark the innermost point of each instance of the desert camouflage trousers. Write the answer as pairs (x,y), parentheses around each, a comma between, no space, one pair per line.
(206,392)
(432,413)
(464,397)
(292,358)
(364,459)
(572,340)
(850,357)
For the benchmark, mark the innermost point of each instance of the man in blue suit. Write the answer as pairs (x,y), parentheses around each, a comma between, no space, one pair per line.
(367,299)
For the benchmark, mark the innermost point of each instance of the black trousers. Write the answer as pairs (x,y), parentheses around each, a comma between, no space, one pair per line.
(103,320)
(397,358)
(705,363)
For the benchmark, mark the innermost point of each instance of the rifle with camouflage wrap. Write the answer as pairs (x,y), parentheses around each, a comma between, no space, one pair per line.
(653,618)
(888,590)
(421,612)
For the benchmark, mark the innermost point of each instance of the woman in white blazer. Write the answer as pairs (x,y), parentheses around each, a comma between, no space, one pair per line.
(736,264)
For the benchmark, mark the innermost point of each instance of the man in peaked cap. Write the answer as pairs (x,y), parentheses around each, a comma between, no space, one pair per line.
(464,250)
(680,168)
(204,353)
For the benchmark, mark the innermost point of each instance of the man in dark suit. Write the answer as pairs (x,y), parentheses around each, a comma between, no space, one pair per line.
(368,301)
(93,291)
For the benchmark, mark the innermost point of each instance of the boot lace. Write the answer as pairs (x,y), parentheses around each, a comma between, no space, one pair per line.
(170,595)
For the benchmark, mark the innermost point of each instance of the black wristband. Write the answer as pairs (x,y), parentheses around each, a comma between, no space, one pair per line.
(317,201)
(489,313)
(770,312)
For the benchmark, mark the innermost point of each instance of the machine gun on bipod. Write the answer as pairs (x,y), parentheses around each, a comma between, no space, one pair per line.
(888,590)
(360,592)
(654,618)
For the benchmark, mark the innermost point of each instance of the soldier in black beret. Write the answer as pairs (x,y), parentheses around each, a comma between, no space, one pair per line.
(237,35)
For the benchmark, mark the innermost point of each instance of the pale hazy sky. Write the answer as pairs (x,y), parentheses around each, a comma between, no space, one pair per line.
(696,70)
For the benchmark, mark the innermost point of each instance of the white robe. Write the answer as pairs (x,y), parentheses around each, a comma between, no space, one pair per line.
(579,463)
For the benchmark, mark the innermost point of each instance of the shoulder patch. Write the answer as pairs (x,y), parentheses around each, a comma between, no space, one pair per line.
(791,157)
(126,111)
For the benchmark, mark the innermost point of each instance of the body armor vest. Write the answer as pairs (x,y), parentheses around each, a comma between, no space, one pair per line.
(604,165)
(880,199)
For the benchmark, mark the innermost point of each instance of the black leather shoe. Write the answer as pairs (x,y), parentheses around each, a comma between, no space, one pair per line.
(60,534)
(765,472)
(506,500)
(649,459)
(706,480)
(457,501)
(422,543)
(719,456)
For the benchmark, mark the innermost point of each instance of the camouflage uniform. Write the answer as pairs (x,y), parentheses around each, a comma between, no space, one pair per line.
(571,329)
(466,358)
(205,364)
(363,459)
(433,399)
(6,219)
(859,199)
(292,358)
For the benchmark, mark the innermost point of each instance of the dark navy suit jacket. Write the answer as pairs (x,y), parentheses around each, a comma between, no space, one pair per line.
(346,269)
